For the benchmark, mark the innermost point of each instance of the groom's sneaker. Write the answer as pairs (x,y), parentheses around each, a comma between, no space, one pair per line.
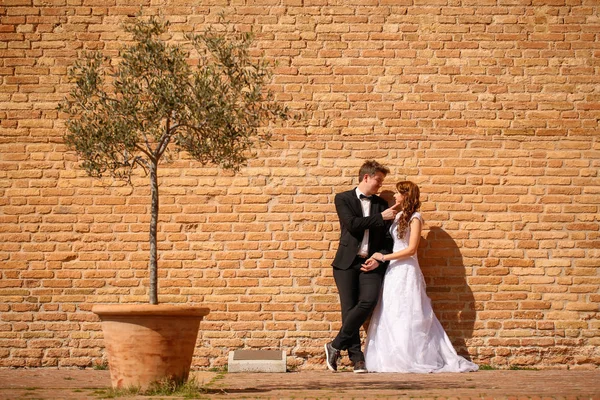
(331,356)
(360,367)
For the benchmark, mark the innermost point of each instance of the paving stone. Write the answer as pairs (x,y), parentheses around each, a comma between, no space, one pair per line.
(46,383)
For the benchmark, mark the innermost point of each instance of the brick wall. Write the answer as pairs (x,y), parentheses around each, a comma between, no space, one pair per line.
(492,106)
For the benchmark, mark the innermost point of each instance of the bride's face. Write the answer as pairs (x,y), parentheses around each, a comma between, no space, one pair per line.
(399,197)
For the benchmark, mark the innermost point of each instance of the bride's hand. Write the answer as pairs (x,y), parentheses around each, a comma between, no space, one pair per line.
(377,257)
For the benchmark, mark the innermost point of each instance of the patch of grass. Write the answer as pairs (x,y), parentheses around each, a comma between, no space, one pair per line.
(215,381)
(222,368)
(111,393)
(518,368)
(189,389)
(486,367)
(101,367)
(102,393)
(167,387)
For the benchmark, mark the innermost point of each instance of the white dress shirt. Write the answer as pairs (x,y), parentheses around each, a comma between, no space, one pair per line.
(363,250)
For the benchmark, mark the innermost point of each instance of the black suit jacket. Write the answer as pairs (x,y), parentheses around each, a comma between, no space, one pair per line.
(353,226)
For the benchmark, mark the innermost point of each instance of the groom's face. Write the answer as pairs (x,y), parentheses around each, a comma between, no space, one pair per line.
(374,183)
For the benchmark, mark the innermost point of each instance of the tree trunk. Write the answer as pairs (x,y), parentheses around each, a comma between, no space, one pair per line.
(153,226)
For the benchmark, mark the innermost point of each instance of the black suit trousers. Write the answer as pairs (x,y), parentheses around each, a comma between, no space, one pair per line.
(359,292)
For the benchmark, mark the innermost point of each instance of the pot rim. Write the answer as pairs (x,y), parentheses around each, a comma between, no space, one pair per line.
(168,310)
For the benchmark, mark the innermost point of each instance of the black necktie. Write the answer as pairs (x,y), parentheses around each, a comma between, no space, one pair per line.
(362,196)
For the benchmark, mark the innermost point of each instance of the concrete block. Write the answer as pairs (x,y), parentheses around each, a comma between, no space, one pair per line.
(257,361)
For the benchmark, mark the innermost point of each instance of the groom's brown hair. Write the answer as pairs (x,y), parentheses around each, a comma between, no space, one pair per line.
(371,167)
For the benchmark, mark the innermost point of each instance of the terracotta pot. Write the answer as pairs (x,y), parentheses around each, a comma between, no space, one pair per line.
(148,343)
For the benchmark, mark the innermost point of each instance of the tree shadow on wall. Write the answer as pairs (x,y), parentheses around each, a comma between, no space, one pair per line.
(452,299)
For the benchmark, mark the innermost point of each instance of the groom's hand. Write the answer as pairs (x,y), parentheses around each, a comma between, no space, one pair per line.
(390,213)
(369,265)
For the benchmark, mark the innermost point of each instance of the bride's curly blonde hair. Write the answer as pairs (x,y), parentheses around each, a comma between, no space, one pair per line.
(411,204)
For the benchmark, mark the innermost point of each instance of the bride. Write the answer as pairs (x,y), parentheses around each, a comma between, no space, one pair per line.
(404,334)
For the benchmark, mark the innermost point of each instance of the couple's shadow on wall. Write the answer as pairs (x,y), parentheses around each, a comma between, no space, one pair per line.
(445,274)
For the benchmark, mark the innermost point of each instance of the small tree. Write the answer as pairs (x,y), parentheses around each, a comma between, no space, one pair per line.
(127,115)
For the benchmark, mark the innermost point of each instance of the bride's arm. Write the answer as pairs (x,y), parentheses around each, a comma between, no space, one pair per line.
(413,244)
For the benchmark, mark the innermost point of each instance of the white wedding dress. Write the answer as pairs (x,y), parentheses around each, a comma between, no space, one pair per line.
(404,334)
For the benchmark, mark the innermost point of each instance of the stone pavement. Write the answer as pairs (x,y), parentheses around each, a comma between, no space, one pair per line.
(46,383)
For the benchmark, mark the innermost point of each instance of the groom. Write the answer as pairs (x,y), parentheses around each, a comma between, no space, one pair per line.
(364,224)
